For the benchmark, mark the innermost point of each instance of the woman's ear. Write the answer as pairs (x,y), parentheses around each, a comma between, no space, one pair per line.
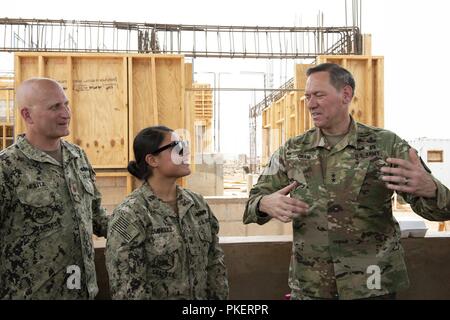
(152,161)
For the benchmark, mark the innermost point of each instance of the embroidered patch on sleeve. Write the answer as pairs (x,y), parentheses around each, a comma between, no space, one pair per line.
(125,229)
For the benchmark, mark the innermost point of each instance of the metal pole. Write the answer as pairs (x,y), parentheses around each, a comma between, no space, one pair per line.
(252,120)
(215,114)
(218,116)
(218,110)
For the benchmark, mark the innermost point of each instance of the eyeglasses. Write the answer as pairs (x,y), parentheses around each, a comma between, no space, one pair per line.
(181,147)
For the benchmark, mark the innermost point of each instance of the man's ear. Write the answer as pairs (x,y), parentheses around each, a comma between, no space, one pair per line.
(26,115)
(151,160)
(347,94)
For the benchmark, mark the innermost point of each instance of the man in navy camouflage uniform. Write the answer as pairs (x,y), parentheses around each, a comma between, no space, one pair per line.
(49,204)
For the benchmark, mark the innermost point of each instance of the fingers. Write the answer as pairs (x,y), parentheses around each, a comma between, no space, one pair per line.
(280,206)
(295,210)
(400,162)
(401,180)
(287,209)
(286,215)
(397,171)
(286,190)
(405,177)
(401,188)
(284,219)
(413,157)
(295,203)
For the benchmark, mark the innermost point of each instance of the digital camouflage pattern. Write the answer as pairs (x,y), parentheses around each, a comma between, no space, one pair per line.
(154,253)
(350,225)
(48,213)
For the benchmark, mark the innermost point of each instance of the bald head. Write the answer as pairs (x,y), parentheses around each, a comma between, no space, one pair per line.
(45,110)
(34,91)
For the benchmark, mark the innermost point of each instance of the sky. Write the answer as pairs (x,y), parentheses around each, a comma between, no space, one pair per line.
(410,34)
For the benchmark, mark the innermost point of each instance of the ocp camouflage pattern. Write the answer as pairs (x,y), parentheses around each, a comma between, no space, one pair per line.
(350,225)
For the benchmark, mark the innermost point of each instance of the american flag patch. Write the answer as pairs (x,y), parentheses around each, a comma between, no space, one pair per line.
(126,230)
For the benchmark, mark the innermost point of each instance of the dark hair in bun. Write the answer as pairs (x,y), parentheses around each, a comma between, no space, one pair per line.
(145,142)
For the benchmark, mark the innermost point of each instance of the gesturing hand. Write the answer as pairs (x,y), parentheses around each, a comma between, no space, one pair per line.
(279,206)
(410,176)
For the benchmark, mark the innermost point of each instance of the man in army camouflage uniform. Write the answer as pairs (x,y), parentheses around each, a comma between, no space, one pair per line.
(49,204)
(340,176)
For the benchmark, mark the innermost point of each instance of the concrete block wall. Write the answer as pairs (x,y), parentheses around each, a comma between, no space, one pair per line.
(113,190)
(230,210)
(207,176)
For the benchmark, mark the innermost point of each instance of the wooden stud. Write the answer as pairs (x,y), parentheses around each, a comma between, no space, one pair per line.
(131,130)
(155,91)
(369,103)
(18,124)
(367,44)
(41,72)
(126,120)
(69,93)
(379,93)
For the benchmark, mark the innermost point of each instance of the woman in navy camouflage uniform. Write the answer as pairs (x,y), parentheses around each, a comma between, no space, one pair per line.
(162,240)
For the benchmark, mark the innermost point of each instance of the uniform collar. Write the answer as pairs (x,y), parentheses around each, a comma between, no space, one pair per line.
(184,201)
(33,153)
(350,139)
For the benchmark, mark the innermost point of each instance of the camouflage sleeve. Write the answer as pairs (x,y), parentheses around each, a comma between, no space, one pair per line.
(100,216)
(273,178)
(5,196)
(434,209)
(125,257)
(217,287)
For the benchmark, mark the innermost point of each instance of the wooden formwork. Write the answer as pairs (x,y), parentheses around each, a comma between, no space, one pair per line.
(368,102)
(7,100)
(289,116)
(6,111)
(114,96)
(96,86)
(189,106)
(203,114)
(114,187)
(6,135)
(203,101)
(157,89)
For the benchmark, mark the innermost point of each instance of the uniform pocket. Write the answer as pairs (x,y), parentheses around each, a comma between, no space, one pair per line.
(373,191)
(40,206)
(163,254)
(201,247)
(38,198)
(205,235)
(164,243)
(88,185)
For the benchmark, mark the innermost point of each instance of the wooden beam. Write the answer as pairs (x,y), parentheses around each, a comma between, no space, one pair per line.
(18,127)
(125,100)
(155,91)
(70,95)
(367,44)
(41,67)
(130,109)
